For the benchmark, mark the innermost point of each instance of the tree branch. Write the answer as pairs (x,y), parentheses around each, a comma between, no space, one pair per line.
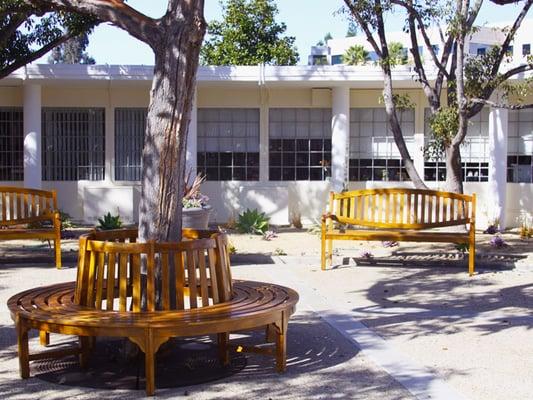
(501,105)
(14,23)
(364,25)
(118,13)
(34,55)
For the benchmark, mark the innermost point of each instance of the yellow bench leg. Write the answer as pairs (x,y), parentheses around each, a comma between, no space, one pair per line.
(223,350)
(44,338)
(23,350)
(471,259)
(57,248)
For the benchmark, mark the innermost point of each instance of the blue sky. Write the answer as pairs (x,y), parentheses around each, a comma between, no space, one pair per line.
(307,20)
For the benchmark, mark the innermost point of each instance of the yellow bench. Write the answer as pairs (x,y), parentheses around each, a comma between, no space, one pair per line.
(399,214)
(106,300)
(21,206)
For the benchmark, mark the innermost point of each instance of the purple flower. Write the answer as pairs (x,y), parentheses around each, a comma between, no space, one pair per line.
(366,254)
(497,241)
(389,243)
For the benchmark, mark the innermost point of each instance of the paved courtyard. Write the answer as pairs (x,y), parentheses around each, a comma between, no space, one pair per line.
(361,332)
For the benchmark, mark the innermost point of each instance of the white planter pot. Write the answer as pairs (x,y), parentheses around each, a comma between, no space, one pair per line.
(196,218)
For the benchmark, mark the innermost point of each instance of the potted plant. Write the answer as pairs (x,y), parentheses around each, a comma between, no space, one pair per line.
(195,211)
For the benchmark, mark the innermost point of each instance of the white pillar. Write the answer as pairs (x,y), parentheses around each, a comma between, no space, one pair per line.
(418,156)
(340,137)
(497,186)
(32,136)
(192,138)
(264,136)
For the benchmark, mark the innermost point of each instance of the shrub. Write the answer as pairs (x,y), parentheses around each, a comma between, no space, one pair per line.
(462,247)
(66,220)
(279,252)
(252,221)
(497,241)
(108,222)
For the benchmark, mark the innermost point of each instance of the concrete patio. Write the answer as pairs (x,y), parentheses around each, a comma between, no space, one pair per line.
(360,332)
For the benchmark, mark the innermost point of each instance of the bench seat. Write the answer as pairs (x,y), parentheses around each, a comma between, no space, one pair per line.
(398,235)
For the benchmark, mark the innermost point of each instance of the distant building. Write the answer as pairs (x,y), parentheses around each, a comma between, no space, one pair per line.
(478,43)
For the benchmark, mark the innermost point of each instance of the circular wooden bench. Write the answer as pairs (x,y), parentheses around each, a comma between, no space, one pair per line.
(111,297)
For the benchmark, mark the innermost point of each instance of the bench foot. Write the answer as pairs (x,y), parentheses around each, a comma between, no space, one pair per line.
(23,350)
(57,249)
(85,349)
(223,349)
(281,344)
(44,338)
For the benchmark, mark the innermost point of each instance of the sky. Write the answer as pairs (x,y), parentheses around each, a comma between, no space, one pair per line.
(307,20)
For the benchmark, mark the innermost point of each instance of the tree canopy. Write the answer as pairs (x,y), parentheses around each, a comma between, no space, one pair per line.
(72,52)
(248,35)
(29,30)
(355,55)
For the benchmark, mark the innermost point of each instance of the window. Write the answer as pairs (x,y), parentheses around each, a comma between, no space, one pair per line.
(474,151)
(481,51)
(228,144)
(509,51)
(130,125)
(520,146)
(337,59)
(11,144)
(73,144)
(320,60)
(526,49)
(373,152)
(300,144)
(435,48)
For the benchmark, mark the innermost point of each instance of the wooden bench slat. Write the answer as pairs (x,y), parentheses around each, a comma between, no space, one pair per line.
(110,289)
(122,281)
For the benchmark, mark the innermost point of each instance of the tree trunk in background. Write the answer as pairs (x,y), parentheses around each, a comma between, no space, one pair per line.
(176,62)
(454,178)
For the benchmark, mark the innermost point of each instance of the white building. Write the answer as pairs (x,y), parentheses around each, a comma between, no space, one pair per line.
(478,43)
(273,138)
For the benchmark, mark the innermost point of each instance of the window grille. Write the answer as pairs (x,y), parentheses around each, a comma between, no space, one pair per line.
(520,146)
(474,151)
(11,144)
(299,144)
(374,155)
(130,126)
(73,144)
(228,144)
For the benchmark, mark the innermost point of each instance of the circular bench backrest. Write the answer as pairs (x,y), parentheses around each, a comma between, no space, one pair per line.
(117,273)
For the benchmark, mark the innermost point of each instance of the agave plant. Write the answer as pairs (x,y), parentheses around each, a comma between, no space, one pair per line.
(253,221)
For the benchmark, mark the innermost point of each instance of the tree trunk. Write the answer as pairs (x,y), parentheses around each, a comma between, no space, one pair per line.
(390,109)
(176,62)
(454,178)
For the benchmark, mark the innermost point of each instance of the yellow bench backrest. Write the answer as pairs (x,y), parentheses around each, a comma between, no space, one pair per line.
(22,206)
(402,208)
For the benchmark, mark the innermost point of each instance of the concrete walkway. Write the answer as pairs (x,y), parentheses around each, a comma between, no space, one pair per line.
(359,333)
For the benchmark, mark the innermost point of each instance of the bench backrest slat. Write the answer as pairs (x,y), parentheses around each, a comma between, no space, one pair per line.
(23,206)
(115,272)
(402,208)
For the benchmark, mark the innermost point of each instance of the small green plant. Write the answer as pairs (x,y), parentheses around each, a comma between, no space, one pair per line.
(279,252)
(462,247)
(108,222)
(253,221)
(66,220)
(232,249)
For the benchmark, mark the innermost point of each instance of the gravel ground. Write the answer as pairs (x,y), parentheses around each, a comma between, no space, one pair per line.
(408,323)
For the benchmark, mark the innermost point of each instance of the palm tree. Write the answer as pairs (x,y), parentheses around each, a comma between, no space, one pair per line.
(355,55)
(398,54)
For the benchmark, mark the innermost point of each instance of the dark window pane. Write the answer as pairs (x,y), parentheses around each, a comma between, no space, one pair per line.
(524,160)
(288,145)
(394,174)
(275,159)
(211,159)
(365,174)
(226,159)
(353,162)
(316,144)
(288,159)
(200,158)
(274,174)
(239,159)
(239,174)
(316,159)
(288,174)
(302,144)
(352,175)
(225,174)
(302,159)
(302,174)
(393,163)
(252,159)
(275,145)
(365,162)
(212,174)
(252,174)
(380,162)
(315,174)
(327,144)
(380,174)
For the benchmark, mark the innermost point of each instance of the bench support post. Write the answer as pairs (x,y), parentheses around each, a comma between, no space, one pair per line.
(281,343)
(223,349)
(44,338)
(85,349)
(23,349)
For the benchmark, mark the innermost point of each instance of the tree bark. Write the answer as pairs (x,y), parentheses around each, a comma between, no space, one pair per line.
(176,62)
